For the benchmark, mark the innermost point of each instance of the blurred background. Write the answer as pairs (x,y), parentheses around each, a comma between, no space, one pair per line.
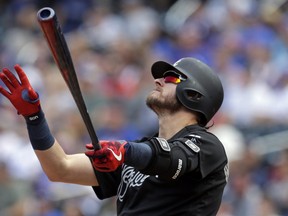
(113,45)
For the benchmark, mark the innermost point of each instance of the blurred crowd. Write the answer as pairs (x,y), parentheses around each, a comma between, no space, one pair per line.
(113,45)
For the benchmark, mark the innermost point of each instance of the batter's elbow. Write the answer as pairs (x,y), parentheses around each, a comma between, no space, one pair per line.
(54,177)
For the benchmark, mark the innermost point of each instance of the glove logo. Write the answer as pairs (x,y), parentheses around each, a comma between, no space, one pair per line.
(32,118)
(118,157)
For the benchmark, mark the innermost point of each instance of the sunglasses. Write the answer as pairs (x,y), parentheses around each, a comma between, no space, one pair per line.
(172,77)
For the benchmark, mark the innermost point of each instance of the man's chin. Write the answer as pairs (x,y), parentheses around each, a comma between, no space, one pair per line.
(162,107)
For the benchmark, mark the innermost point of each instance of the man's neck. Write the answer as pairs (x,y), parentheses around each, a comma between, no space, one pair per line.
(170,124)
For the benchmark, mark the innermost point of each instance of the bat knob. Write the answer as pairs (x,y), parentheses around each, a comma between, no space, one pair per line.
(45,13)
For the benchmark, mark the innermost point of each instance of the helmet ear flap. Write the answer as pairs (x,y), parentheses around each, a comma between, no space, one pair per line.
(193,95)
(192,98)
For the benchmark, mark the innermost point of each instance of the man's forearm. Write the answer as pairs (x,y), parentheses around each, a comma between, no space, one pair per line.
(60,167)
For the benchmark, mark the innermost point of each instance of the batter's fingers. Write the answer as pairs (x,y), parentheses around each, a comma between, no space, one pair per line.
(90,154)
(13,80)
(22,76)
(6,81)
(4,92)
(90,146)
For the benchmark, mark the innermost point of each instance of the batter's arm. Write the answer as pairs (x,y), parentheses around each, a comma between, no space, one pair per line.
(56,163)
(61,167)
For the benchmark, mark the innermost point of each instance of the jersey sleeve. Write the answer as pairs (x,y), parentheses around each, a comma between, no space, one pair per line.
(212,156)
(108,183)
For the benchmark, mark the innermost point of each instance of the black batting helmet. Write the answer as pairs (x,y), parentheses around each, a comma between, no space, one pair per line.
(202,91)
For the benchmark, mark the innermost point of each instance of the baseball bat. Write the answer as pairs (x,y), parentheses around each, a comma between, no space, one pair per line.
(56,41)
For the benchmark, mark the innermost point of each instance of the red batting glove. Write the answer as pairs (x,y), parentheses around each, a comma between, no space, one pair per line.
(109,157)
(21,95)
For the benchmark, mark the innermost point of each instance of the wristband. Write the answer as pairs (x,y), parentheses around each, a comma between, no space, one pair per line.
(39,132)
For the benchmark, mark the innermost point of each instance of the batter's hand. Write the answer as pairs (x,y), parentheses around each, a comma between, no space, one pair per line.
(21,93)
(109,157)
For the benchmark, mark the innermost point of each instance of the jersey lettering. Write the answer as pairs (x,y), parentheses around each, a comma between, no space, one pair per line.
(179,168)
(130,178)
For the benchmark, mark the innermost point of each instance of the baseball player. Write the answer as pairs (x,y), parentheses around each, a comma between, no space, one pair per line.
(181,170)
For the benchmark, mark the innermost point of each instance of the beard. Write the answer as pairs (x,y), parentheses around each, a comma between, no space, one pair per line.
(168,105)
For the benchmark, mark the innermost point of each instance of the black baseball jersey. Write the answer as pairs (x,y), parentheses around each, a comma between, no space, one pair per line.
(195,193)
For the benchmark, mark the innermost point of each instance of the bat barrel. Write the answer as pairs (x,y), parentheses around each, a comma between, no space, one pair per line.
(53,33)
(45,13)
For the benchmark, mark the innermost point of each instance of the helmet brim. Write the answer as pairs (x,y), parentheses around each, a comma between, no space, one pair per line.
(160,67)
